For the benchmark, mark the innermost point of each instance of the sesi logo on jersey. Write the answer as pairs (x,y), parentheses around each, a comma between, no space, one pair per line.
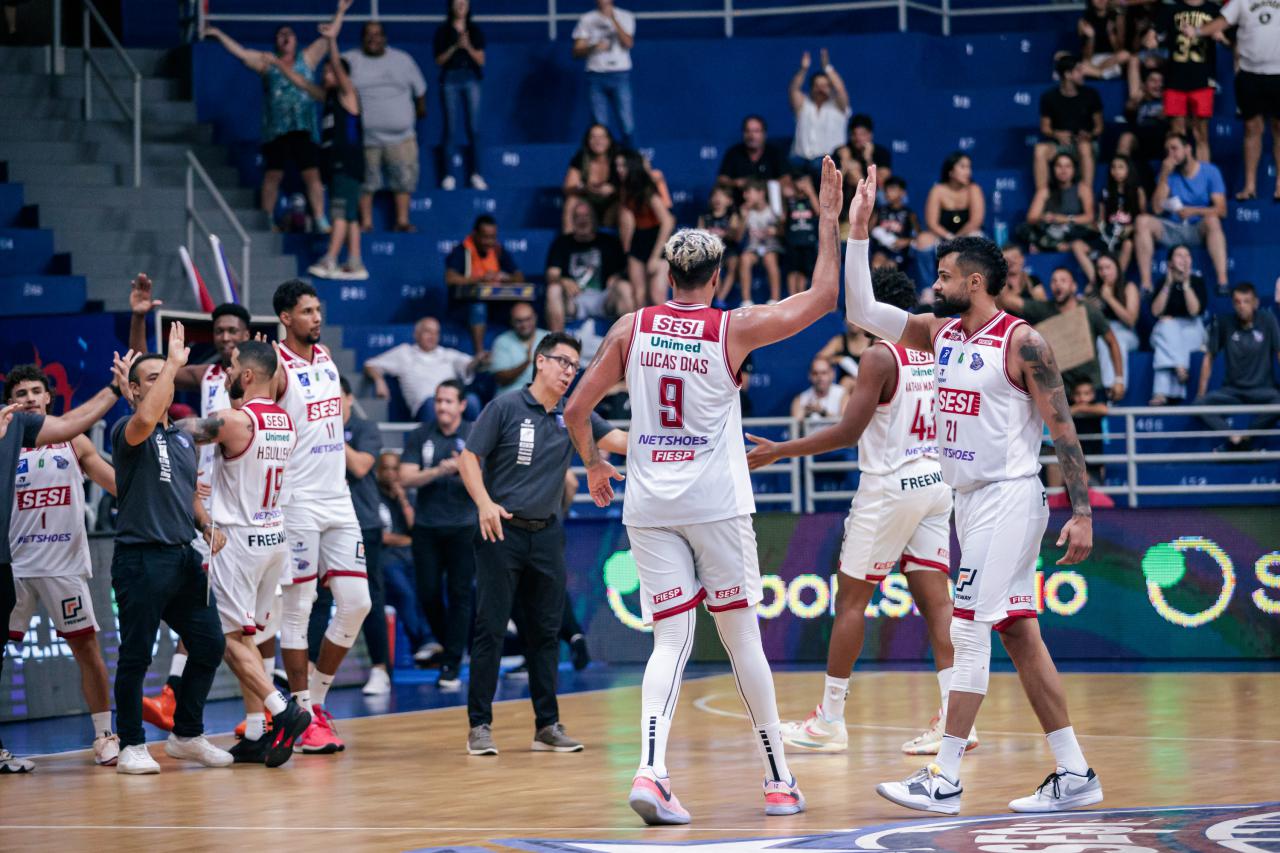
(959,402)
(331,408)
(44,498)
(915,356)
(680,327)
(276,420)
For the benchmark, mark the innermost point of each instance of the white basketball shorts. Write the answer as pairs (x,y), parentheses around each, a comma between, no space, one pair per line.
(1000,526)
(680,567)
(66,599)
(244,576)
(900,517)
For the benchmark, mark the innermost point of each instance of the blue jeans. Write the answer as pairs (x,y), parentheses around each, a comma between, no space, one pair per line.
(402,595)
(460,97)
(607,89)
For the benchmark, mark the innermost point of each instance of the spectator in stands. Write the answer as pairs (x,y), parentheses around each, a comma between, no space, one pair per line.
(393,94)
(592,176)
(1102,40)
(1190,202)
(289,130)
(644,224)
(862,147)
(844,352)
(586,273)
(1087,413)
(1120,302)
(1123,201)
(1257,86)
(1070,121)
(800,229)
(761,243)
(396,512)
(753,157)
(512,356)
(1143,139)
(1020,281)
(1250,340)
(1189,71)
(824,398)
(894,225)
(723,220)
(954,208)
(420,367)
(1061,216)
(1178,332)
(480,259)
(821,116)
(458,47)
(604,38)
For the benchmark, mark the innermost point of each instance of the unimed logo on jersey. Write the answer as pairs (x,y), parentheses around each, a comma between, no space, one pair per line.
(957,401)
(680,327)
(43,498)
(331,408)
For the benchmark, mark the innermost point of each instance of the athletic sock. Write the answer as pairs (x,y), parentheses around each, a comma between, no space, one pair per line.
(318,686)
(255,726)
(949,755)
(101,723)
(772,754)
(1066,751)
(834,692)
(304,700)
(654,731)
(176,666)
(944,687)
(275,703)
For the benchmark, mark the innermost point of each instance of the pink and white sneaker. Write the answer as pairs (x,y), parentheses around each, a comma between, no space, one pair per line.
(782,798)
(652,799)
(320,738)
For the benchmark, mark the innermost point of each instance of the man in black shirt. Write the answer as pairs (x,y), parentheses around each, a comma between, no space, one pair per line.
(444,526)
(1188,90)
(1251,341)
(521,440)
(586,272)
(155,573)
(753,157)
(24,429)
(1070,121)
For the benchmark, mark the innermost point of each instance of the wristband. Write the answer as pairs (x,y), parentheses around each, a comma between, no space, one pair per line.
(115,389)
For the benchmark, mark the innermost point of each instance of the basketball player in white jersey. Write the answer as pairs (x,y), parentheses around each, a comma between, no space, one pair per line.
(51,549)
(320,521)
(997,386)
(901,514)
(253,444)
(689,500)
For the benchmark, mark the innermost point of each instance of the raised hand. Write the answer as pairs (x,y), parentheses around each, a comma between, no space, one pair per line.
(864,202)
(831,191)
(824,58)
(179,352)
(120,367)
(327,30)
(6,417)
(805,61)
(140,299)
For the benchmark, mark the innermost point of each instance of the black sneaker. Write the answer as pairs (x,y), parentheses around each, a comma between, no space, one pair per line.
(286,727)
(450,678)
(251,751)
(578,652)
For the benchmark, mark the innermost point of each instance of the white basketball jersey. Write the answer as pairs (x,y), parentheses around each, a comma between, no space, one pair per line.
(213,398)
(902,430)
(686,461)
(247,487)
(47,534)
(988,425)
(313,399)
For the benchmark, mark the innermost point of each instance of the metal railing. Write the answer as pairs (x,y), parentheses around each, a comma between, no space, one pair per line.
(195,170)
(133,113)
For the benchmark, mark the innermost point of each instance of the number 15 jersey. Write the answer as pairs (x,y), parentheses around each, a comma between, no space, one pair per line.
(247,486)
(686,461)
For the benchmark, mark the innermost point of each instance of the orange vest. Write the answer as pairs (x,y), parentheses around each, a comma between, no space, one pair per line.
(479,265)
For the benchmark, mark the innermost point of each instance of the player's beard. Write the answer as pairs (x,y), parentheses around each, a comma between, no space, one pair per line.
(944,307)
(313,338)
(237,389)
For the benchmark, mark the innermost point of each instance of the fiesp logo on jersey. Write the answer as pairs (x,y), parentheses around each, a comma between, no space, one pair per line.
(44,498)
(957,401)
(672,455)
(331,408)
(680,327)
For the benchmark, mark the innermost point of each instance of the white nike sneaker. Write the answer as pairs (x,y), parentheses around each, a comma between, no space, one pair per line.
(10,763)
(926,791)
(816,733)
(136,761)
(199,750)
(1062,791)
(106,749)
(930,740)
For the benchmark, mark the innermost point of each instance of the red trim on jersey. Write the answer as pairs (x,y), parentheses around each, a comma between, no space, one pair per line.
(16,636)
(70,635)
(943,328)
(928,564)
(735,378)
(253,431)
(1000,315)
(249,630)
(961,613)
(340,573)
(681,608)
(635,330)
(305,579)
(897,356)
(1012,616)
(1008,336)
(740,604)
(685,306)
(873,578)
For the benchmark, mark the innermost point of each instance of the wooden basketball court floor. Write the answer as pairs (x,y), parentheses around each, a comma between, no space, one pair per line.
(405,782)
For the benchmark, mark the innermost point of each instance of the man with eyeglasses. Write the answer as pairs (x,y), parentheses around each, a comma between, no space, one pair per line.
(514,469)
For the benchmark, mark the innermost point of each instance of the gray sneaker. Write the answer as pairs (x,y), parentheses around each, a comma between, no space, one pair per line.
(553,739)
(480,741)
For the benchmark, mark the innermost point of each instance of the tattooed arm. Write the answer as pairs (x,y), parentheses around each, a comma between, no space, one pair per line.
(607,369)
(203,430)
(1032,359)
(230,428)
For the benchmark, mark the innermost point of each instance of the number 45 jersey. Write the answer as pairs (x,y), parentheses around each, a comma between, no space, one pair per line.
(686,458)
(247,486)
(902,430)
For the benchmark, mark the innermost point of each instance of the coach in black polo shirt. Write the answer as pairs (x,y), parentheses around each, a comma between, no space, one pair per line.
(155,573)
(521,440)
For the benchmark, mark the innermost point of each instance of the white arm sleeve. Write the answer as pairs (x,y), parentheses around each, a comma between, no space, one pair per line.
(860,305)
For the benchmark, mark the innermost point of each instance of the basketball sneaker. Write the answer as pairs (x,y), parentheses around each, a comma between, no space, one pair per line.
(319,737)
(240,728)
(480,740)
(106,749)
(553,738)
(197,749)
(782,798)
(136,761)
(251,751)
(379,683)
(158,710)
(652,799)
(450,678)
(1061,791)
(285,730)
(925,791)
(10,763)
(930,740)
(816,733)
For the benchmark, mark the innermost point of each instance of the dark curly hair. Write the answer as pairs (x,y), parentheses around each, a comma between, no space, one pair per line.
(893,287)
(287,295)
(24,373)
(980,255)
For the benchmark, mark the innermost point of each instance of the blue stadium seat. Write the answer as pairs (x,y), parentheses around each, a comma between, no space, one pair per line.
(22,295)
